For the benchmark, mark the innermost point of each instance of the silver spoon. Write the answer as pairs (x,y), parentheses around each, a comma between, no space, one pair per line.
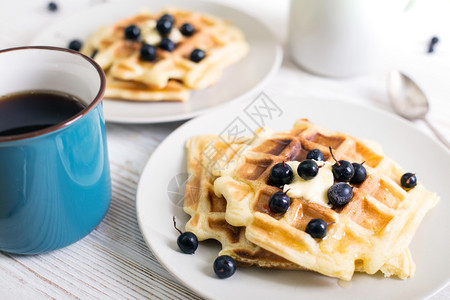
(409,101)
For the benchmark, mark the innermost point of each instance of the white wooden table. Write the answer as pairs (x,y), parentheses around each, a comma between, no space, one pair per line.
(114,261)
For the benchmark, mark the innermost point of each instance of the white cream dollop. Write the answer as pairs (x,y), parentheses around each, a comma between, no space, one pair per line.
(175,35)
(313,190)
(151,36)
(149,33)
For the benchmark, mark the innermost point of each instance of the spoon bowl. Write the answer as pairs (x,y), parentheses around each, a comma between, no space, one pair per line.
(409,101)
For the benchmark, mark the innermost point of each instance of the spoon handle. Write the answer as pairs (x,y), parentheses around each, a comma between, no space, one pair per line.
(437,133)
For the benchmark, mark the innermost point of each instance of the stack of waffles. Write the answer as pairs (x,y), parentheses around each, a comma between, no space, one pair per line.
(228,192)
(172,75)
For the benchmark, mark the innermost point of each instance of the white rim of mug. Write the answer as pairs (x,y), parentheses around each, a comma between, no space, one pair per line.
(97,99)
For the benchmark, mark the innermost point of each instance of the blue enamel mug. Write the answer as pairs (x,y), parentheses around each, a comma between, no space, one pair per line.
(55,185)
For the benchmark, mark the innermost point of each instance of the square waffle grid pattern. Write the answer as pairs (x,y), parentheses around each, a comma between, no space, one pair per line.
(173,74)
(207,210)
(374,228)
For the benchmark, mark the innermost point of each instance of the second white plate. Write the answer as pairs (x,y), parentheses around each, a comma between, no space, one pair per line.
(238,81)
(160,196)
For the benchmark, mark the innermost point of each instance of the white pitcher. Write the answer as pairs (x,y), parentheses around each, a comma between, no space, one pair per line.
(341,38)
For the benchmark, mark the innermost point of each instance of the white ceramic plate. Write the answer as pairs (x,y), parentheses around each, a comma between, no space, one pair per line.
(160,191)
(238,81)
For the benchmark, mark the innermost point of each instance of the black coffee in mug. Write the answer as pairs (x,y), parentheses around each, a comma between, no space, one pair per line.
(28,111)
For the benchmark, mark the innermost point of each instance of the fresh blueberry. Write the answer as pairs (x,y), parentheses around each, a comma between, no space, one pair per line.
(317,228)
(167,17)
(132,32)
(187,29)
(360,173)
(433,42)
(409,180)
(340,194)
(52,6)
(148,52)
(281,174)
(197,55)
(75,45)
(315,154)
(224,266)
(307,169)
(167,45)
(188,242)
(343,170)
(279,203)
(164,24)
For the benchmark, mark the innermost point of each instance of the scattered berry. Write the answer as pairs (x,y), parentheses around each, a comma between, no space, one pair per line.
(409,180)
(317,228)
(52,6)
(224,266)
(187,29)
(75,45)
(280,174)
(167,45)
(132,32)
(279,203)
(433,42)
(360,173)
(340,194)
(197,55)
(342,170)
(315,154)
(164,24)
(148,52)
(187,241)
(308,169)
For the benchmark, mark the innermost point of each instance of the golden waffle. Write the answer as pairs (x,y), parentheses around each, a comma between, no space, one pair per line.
(207,157)
(207,211)
(372,229)
(120,58)
(122,89)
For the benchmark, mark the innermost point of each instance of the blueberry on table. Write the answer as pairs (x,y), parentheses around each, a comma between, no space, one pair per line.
(187,241)
(280,174)
(132,32)
(197,55)
(279,203)
(433,42)
(75,45)
(167,45)
(360,173)
(307,169)
(224,266)
(148,52)
(187,29)
(342,170)
(340,194)
(315,154)
(408,180)
(316,228)
(52,6)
